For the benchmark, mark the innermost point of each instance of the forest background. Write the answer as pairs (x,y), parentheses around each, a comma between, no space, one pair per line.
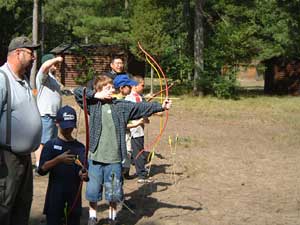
(194,40)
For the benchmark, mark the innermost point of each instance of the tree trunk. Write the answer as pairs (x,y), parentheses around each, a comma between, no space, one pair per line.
(35,41)
(151,84)
(198,45)
(42,10)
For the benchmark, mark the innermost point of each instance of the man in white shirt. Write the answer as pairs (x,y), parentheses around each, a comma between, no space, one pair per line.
(48,99)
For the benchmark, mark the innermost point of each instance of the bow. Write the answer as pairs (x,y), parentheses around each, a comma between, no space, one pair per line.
(87,130)
(159,92)
(154,64)
(87,139)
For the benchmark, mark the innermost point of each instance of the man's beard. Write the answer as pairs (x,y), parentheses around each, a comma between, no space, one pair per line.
(52,71)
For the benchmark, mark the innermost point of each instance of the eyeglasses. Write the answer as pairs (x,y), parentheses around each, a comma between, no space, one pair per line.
(118,63)
(27,51)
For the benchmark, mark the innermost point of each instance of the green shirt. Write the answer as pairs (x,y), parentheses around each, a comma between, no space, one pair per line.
(107,150)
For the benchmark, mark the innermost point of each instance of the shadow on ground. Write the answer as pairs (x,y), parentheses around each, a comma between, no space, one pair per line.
(144,205)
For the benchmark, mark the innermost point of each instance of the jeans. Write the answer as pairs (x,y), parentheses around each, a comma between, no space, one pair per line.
(107,176)
(49,128)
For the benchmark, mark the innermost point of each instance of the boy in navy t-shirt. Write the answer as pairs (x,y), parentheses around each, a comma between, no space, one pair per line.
(60,158)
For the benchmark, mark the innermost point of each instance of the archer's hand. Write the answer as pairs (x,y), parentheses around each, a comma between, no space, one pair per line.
(66,158)
(103,95)
(59,59)
(167,104)
(138,122)
(83,173)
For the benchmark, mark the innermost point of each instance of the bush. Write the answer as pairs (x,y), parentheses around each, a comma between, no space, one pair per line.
(222,86)
(87,71)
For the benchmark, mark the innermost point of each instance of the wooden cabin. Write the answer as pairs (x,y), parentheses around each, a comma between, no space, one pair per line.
(282,76)
(78,57)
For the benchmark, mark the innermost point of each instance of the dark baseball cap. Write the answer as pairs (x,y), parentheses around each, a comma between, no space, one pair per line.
(47,57)
(124,80)
(22,42)
(66,117)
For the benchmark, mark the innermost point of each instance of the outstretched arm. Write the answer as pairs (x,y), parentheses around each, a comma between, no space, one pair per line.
(146,109)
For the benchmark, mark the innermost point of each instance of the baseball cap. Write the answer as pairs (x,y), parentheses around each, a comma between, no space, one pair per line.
(47,57)
(66,117)
(124,80)
(21,42)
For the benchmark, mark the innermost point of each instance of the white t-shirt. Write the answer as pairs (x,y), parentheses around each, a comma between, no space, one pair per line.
(139,130)
(49,94)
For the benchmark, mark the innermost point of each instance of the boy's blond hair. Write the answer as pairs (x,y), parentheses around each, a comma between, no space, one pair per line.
(101,81)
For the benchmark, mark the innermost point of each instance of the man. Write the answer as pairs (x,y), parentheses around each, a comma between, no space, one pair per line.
(117,67)
(24,134)
(48,99)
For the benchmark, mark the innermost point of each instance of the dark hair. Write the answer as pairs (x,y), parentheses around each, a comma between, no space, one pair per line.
(114,57)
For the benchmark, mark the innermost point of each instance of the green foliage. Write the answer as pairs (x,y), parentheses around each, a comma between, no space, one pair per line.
(16,19)
(161,28)
(95,21)
(148,27)
(106,29)
(84,67)
(243,31)
(221,86)
(225,86)
(8,4)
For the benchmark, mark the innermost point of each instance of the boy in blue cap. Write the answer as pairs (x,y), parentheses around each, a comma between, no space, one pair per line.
(60,158)
(123,85)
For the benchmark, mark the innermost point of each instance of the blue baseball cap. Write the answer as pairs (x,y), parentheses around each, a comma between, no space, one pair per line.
(66,117)
(124,80)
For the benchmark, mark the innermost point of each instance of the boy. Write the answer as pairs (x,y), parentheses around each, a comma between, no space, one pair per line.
(58,157)
(108,121)
(123,85)
(137,133)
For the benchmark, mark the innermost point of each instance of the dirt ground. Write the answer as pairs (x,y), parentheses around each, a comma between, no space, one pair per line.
(226,167)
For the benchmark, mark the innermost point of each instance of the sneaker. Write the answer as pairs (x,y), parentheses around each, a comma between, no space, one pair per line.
(112,222)
(129,177)
(145,181)
(92,221)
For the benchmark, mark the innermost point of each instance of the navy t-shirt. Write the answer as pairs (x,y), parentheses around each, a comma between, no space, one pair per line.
(64,180)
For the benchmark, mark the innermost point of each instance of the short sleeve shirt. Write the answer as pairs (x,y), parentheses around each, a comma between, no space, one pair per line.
(64,180)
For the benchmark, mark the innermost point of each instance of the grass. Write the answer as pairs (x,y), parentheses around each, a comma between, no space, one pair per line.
(285,109)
